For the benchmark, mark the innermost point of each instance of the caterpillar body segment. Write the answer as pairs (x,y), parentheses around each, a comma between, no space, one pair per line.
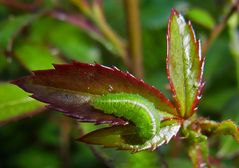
(133,108)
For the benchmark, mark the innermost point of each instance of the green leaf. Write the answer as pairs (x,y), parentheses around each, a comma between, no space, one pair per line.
(73,43)
(68,40)
(15,103)
(201,17)
(126,137)
(184,64)
(10,26)
(34,56)
(122,159)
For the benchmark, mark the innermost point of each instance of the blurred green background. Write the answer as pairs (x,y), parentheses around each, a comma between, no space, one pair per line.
(47,140)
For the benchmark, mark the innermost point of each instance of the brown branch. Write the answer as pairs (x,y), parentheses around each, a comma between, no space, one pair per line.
(65,130)
(134,34)
(219,27)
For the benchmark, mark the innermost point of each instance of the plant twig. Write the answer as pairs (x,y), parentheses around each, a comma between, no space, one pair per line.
(117,42)
(65,129)
(77,20)
(112,41)
(134,34)
(219,27)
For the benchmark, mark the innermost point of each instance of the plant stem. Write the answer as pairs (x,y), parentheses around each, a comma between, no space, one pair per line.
(99,19)
(111,40)
(219,27)
(65,129)
(134,34)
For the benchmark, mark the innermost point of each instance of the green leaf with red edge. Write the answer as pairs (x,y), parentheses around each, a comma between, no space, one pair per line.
(110,136)
(122,159)
(69,87)
(127,138)
(184,64)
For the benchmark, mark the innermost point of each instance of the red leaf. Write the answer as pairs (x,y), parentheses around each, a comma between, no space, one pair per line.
(69,86)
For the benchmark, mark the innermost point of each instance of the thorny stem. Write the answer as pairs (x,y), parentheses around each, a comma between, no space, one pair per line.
(219,27)
(134,34)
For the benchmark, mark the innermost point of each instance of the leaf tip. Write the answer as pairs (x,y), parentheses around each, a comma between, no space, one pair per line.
(174,12)
(20,82)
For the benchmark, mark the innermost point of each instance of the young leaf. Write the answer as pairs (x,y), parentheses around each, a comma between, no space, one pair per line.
(184,64)
(72,85)
(146,132)
(106,95)
(16,104)
(127,138)
(122,159)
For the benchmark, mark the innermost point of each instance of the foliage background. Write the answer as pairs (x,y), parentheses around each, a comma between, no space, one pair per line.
(47,139)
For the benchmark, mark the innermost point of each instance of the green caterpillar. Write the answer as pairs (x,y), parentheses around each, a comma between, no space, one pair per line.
(140,112)
(132,107)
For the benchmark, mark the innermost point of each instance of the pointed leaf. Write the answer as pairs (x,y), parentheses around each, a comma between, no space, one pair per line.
(121,158)
(16,104)
(184,64)
(126,137)
(110,137)
(68,87)
(74,104)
